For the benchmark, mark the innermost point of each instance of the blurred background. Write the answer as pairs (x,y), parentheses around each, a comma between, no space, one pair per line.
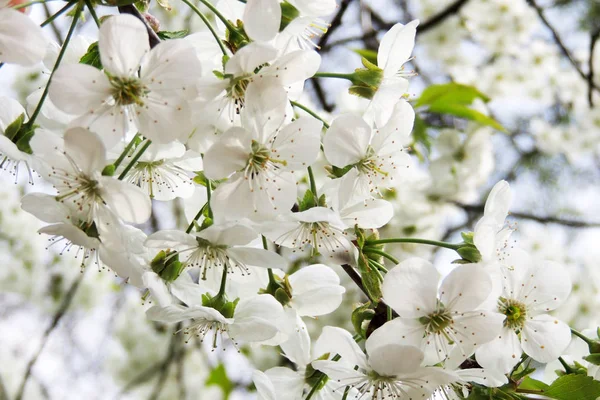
(72,334)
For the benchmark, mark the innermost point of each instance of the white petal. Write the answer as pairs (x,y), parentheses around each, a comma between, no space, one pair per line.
(485,377)
(394,135)
(229,154)
(294,67)
(21,40)
(72,234)
(334,340)
(164,120)
(237,233)
(402,331)
(381,107)
(249,57)
(298,143)
(264,110)
(168,314)
(129,202)
(313,276)
(410,288)
(368,214)
(346,141)
(498,202)
(339,370)
(502,353)
(262,19)
(547,286)
(287,383)
(45,207)
(10,110)
(86,149)
(166,238)
(264,387)
(170,69)
(465,288)
(79,89)
(123,41)
(394,359)
(396,46)
(256,319)
(297,347)
(257,257)
(319,301)
(544,338)
(157,288)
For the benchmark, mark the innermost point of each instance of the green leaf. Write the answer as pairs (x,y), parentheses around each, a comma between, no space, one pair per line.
(533,384)
(369,55)
(14,127)
(419,133)
(574,386)
(166,35)
(308,201)
(593,358)
(92,56)
(218,377)
(453,93)
(465,112)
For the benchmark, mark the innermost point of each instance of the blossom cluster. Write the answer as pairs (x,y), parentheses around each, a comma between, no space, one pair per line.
(280,202)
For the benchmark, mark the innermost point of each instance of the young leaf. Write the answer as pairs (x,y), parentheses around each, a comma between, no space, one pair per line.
(574,386)
(453,93)
(166,35)
(92,56)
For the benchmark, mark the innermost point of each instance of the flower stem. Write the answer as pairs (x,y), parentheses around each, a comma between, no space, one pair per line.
(311,112)
(582,337)
(198,215)
(223,282)
(61,54)
(134,159)
(208,25)
(125,151)
(350,77)
(29,3)
(382,253)
(320,380)
(208,196)
(450,246)
(212,8)
(390,314)
(57,14)
(313,185)
(90,7)
(566,366)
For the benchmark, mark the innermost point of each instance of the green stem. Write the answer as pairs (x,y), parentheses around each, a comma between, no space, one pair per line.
(218,14)
(382,253)
(580,335)
(61,54)
(57,14)
(450,246)
(566,366)
(390,315)
(198,215)
(350,77)
(223,282)
(90,7)
(311,112)
(134,159)
(125,151)
(378,266)
(313,184)
(208,25)
(208,196)
(320,380)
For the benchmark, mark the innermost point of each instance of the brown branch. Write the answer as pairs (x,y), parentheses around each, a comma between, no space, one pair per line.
(440,17)
(559,42)
(336,22)
(541,219)
(60,313)
(590,77)
(152,36)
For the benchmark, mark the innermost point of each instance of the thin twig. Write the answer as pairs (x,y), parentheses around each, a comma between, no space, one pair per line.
(60,313)
(53,26)
(590,78)
(440,17)
(542,219)
(166,364)
(130,9)
(336,22)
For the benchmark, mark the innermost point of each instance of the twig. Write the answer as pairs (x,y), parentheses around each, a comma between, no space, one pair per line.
(590,78)
(166,364)
(355,277)
(336,22)
(130,9)
(440,17)
(60,313)
(53,26)
(560,43)
(542,219)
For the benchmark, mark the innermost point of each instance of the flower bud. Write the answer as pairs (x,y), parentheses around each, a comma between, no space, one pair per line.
(166,264)
(361,316)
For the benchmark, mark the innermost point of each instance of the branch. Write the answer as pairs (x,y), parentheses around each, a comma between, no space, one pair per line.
(172,355)
(152,36)
(590,78)
(57,317)
(544,220)
(336,22)
(440,17)
(560,43)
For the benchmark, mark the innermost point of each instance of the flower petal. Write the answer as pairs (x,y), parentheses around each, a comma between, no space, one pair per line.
(544,338)
(410,288)
(396,46)
(79,89)
(395,359)
(86,149)
(346,140)
(465,288)
(257,257)
(298,143)
(229,154)
(21,40)
(262,19)
(123,41)
(502,353)
(129,202)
